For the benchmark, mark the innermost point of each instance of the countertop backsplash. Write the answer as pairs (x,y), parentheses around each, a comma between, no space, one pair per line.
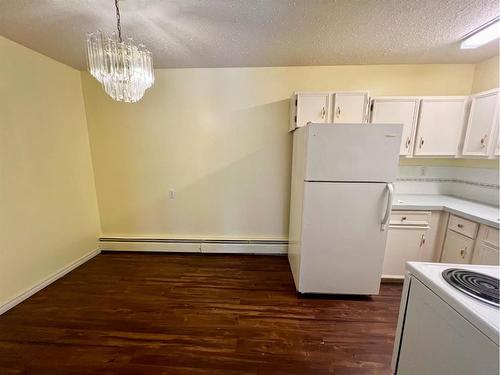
(477,184)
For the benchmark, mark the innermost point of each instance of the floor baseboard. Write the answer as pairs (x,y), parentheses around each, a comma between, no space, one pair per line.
(195,246)
(49,280)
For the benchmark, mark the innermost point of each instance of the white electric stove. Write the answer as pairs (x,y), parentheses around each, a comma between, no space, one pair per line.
(444,328)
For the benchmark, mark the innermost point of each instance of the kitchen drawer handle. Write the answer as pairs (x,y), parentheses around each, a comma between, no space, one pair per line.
(460,226)
(483,141)
(463,252)
(403,218)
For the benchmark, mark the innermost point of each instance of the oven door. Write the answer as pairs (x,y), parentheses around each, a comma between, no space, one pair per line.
(433,338)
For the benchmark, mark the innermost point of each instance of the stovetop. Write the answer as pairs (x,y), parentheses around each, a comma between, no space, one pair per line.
(482,315)
(475,284)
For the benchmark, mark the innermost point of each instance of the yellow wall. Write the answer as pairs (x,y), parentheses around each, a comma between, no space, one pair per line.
(219,138)
(485,75)
(48,207)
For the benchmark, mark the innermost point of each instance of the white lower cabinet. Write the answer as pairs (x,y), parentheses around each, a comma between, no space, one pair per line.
(457,248)
(484,254)
(407,240)
(431,236)
(404,244)
(487,247)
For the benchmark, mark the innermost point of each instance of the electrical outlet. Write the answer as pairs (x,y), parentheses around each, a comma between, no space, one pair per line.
(171,194)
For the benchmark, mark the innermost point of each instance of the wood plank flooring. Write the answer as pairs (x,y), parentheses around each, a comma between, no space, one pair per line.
(136,313)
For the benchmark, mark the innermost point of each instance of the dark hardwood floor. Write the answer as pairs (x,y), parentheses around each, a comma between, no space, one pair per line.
(194,314)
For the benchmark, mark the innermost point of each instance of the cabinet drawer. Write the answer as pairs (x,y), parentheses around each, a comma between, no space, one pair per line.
(465,227)
(413,218)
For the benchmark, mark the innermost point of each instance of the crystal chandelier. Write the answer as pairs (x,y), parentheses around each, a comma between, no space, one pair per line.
(124,69)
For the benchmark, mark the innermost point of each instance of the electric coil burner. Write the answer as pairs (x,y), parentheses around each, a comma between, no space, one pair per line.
(480,286)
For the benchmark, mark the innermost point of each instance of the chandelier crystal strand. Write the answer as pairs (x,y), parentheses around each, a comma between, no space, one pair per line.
(124,69)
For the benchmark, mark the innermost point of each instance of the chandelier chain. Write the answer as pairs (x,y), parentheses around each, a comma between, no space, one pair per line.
(118,24)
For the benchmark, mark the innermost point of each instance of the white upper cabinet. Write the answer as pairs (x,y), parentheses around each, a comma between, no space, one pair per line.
(349,107)
(481,127)
(398,110)
(309,107)
(440,125)
(324,107)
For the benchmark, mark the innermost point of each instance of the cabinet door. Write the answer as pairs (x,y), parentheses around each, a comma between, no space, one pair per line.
(350,107)
(397,111)
(457,248)
(480,127)
(484,254)
(312,107)
(404,244)
(439,126)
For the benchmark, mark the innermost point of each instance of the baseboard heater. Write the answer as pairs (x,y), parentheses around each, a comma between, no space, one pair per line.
(194,245)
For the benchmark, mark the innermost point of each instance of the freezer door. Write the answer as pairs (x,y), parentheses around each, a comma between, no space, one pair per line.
(343,241)
(353,152)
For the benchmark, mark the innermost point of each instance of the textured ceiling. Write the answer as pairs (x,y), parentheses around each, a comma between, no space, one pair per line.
(220,33)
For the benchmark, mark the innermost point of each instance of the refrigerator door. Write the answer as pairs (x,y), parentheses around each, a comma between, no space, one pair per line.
(343,241)
(353,152)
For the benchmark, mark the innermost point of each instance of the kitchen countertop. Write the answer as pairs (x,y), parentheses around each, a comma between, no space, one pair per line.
(478,212)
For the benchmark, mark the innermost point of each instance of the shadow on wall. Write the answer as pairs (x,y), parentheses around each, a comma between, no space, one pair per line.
(238,185)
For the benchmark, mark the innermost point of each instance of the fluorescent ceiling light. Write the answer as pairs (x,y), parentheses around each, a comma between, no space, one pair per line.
(484,35)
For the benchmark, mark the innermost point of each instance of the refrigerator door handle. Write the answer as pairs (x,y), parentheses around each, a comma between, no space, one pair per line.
(388,208)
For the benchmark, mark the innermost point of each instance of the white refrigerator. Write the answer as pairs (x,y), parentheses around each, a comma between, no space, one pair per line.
(341,197)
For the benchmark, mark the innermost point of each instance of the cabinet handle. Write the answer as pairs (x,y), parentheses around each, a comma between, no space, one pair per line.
(338,112)
(460,226)
(422,240)
(421,142)
(463,252)
(483,141)
(323,113)
(408,140)
(403,218)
